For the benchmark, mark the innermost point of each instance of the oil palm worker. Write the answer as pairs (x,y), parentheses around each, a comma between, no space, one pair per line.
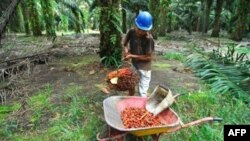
(139,45)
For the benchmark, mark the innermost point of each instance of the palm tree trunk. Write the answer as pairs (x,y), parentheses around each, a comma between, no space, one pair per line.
(110,33)
(78,21)
(163,17)
(48,17)
(169,22)
(16,21)
(34,18)
(206,15)
(4,19)
(155,13)
(124,21)
(163,26)
(241,23)
(4,5)
(198,24)
(216,27)
(25,17)
(21,20)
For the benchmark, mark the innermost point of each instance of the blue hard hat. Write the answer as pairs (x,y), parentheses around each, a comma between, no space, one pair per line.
(144,21)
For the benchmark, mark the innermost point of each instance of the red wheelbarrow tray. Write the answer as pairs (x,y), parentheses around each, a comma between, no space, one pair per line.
(114,105)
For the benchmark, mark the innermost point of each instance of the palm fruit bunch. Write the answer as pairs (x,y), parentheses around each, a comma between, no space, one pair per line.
(122,79)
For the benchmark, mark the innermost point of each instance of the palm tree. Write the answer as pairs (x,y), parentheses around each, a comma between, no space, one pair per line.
(124,21)
(155,11)
(4,19)
(164,8)
(208,5)
(74,13)
(48,17)
(110,33)
(16,20)
(216,26)
(25,17)
(241,22)
(34,18)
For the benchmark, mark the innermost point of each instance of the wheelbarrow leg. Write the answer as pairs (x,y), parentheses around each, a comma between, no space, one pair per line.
(118,135)
(156,137)
(111,134)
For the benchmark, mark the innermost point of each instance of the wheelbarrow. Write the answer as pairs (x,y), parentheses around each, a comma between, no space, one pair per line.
(114,105)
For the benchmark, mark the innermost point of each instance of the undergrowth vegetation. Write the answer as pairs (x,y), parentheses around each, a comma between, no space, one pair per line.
(226,94)
(227,72)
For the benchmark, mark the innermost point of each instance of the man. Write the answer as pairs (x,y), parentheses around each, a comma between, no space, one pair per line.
(141,45)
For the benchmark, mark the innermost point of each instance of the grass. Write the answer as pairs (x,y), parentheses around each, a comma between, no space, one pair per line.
(77,120)
(205,103)
(75,117)
(39,103)
(161,66)
(5,110)
(173,56)
(70,119)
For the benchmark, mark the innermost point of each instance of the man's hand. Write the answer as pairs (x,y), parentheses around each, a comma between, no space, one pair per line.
(128,56)
(125,53)
(125,50)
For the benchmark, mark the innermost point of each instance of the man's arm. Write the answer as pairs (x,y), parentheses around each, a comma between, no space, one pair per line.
(146,57)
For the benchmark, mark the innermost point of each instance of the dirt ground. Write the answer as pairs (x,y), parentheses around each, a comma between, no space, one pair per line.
(68,50)
(173,75)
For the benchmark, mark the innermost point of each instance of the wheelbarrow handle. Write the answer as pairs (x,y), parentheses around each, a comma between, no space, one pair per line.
(193,123)
(217,119)
(200,121)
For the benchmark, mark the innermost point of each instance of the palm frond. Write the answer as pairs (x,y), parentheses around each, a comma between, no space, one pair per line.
(222,79)
(115,19)
(72,5)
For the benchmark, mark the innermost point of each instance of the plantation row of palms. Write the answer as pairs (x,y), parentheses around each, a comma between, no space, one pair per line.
(114,17)
(195,15)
